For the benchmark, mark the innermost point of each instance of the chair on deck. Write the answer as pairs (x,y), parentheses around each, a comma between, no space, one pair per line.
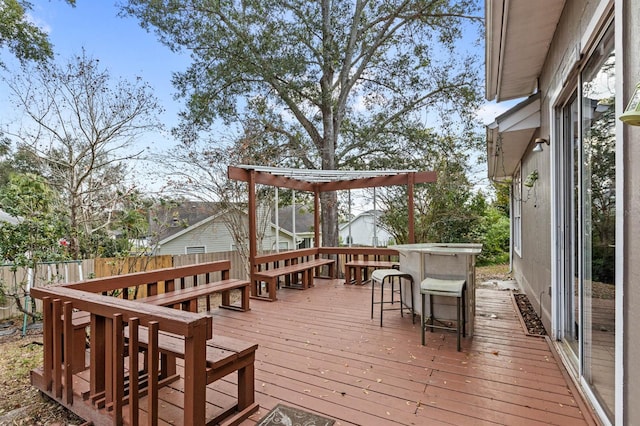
(390,275)
(444,288)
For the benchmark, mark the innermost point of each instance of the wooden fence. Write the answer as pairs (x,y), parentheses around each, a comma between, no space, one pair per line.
(60,273)
(67,272)
(14,281)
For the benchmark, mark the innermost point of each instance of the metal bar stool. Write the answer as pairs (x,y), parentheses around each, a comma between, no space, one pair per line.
(379,276)
(446,288)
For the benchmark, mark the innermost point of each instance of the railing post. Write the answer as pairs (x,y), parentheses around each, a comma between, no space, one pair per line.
(47,341)
(154,371)
(117,361)
(67,347)
(97,354)
(57,348)
(195,381)
(134,323)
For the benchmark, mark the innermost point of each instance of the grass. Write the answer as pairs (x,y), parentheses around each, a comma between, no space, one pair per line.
(22,404)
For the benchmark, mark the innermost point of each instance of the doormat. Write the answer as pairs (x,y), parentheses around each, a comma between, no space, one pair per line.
(284,415)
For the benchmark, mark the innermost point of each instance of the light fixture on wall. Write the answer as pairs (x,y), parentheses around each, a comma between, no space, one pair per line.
(539,142)
(631,114)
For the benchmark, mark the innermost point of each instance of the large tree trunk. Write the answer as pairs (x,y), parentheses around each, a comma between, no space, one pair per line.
(329,205)
(329,200)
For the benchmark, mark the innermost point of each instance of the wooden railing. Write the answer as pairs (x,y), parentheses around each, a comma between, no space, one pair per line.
(110,389)
(123,330)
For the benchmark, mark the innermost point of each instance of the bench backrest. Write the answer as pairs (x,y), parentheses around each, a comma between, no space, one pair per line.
(150,280)
(286,255)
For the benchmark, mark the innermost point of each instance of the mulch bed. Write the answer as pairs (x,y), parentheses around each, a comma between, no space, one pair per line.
(529,316)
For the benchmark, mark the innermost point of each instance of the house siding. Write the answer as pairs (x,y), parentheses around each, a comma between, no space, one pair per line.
(630,14)
(214,236)
(269,241)
(533,269)
(362,232)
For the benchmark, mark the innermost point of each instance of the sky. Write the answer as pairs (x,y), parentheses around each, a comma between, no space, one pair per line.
(127,51)
(121,46)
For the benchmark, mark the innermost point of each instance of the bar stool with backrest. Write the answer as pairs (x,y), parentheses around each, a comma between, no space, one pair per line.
(390,275)
(443,287)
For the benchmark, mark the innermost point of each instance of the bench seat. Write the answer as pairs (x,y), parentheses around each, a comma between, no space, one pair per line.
(291,272)
(224,356)
(187,298)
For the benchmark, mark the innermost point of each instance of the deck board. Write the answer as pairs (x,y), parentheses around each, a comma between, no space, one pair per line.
(320,350)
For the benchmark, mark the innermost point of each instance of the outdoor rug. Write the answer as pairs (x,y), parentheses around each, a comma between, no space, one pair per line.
(290,416)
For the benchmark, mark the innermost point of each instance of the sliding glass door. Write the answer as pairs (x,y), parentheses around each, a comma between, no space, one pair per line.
(587,243)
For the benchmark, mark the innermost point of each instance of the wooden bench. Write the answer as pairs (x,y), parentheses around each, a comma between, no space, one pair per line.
(224,355)
(187,298)
(356,269)
(297,267)
(114,378)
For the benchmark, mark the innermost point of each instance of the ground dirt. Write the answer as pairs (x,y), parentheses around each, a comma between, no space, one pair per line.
(21,404)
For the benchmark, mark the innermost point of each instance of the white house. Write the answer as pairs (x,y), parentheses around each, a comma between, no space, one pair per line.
(364,229)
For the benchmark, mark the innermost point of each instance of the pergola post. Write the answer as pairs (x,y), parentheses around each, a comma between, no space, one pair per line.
(316,218)
(277,203)
(293,219)
(411,179)
(252,224)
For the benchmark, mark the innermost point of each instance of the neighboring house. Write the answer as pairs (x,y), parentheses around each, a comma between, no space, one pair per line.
(191,227)
(304,227)
(575,198)
(201,227)
(365,230)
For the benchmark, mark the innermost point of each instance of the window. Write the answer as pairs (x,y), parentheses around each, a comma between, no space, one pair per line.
(195,249)
(516,211)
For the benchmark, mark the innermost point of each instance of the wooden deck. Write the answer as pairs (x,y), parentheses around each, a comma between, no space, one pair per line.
(320,350)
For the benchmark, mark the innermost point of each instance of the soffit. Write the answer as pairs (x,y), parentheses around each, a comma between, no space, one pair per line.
(509,137)
(518,36)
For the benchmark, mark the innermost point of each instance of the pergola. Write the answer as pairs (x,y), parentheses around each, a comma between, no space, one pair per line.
(318,181)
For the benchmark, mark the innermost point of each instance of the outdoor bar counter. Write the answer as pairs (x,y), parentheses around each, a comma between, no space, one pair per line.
(441,260)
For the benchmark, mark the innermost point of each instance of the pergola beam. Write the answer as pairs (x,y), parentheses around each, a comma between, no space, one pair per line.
(333,182)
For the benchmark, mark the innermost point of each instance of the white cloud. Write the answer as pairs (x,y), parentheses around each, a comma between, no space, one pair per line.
(40,23)
(488,112)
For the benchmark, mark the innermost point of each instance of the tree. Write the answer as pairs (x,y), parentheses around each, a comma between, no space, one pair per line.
(200,172)
(334,82)
(447,211)
(20,161)
(23,38)
(81,126)
(37,234)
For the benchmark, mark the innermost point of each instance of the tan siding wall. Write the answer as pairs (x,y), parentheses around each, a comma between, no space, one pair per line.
(533,268)
(631,270)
